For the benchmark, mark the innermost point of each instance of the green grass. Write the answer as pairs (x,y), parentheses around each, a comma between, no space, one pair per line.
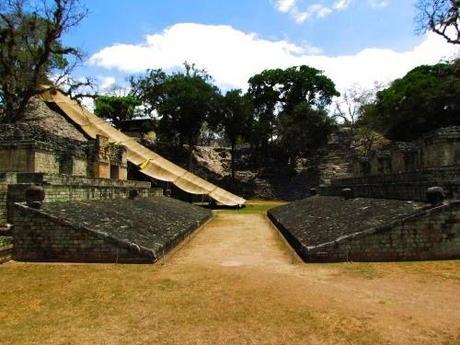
(255,207)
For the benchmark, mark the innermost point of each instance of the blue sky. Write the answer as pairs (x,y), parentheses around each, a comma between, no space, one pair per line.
(353,41)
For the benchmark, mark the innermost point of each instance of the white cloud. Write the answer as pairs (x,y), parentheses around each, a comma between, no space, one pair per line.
(301,13)
(378,3)
(341,4)
(285,5)
(232,56)
(105,83)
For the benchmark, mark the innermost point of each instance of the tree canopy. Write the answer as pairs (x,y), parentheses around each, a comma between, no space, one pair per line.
(31,50)
(184,101)
(116,108)
(426,98)
(234,120)
(283,97)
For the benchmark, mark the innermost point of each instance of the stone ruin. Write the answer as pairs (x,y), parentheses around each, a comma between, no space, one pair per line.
(90,211)
(405,170)
(47,143)
(391,209)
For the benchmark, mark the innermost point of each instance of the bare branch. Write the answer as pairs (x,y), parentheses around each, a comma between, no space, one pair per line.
(441,17)
(31,51)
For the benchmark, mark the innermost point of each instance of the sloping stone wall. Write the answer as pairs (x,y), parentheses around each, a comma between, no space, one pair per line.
(129,231)
(432,235)
(427,234)
(402,186)
(62,188)
(41,237)
(3,203)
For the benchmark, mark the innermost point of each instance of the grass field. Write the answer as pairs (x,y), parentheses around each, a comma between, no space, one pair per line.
(108,304)
(254,207)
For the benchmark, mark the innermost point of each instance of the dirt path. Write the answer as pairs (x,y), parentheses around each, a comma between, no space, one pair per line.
(232,240)
(402,306)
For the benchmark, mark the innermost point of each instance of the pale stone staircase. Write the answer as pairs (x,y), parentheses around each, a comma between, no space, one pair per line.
(336,158)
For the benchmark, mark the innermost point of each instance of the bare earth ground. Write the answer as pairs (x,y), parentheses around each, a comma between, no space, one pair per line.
(235,282)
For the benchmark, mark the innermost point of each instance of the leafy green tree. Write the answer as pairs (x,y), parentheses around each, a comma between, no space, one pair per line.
(184,102)
(303,130)
(116,108)
(31,49)
(279,95)
(234,119)
(426,98)
(265,93)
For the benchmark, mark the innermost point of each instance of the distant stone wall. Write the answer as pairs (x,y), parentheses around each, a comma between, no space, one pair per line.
(46,162)
(41,237)
(16,158)
(428,235)
(3,203)
(97,158)
(402,186)
(432,235)
(61,188)
(58,179)
(435,150)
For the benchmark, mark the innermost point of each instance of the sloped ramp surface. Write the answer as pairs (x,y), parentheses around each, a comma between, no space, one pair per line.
(150,163)
(113,230)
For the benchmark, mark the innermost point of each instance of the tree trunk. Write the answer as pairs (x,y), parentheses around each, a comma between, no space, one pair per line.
(233,162)
(190,156)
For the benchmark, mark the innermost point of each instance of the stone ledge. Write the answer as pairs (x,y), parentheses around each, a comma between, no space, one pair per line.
(426,233)
(141,230)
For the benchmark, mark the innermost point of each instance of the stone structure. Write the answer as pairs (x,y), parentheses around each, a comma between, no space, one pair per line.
(436,150)
(124,231)
(369,229)
(3,203)
(139,128)
(404,171)
(48,143)
(68,198)
(63,188)
(336,158)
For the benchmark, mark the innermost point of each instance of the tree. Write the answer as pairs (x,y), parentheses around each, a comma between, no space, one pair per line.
(303,130)
(184,102)
(31,51)
(426,98)
(279,95)
(441,17)
(234,120)
(116,108)
(350,106)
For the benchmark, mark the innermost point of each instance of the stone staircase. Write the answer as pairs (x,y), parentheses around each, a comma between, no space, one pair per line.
(336,159)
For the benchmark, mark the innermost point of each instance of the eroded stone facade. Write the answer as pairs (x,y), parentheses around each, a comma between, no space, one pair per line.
(95,158)
(438,149)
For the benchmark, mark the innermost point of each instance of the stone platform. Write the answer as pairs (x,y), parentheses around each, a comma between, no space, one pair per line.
(332,229)
(110,231)
(63,188)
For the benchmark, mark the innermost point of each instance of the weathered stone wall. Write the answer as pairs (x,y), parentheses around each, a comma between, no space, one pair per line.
(402,186)
(438,149)
(441,153)
(45,161)
(97,159)
(79,167)
(61,188)
(431,235)
(16,158)
(3,203)
(41,237)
